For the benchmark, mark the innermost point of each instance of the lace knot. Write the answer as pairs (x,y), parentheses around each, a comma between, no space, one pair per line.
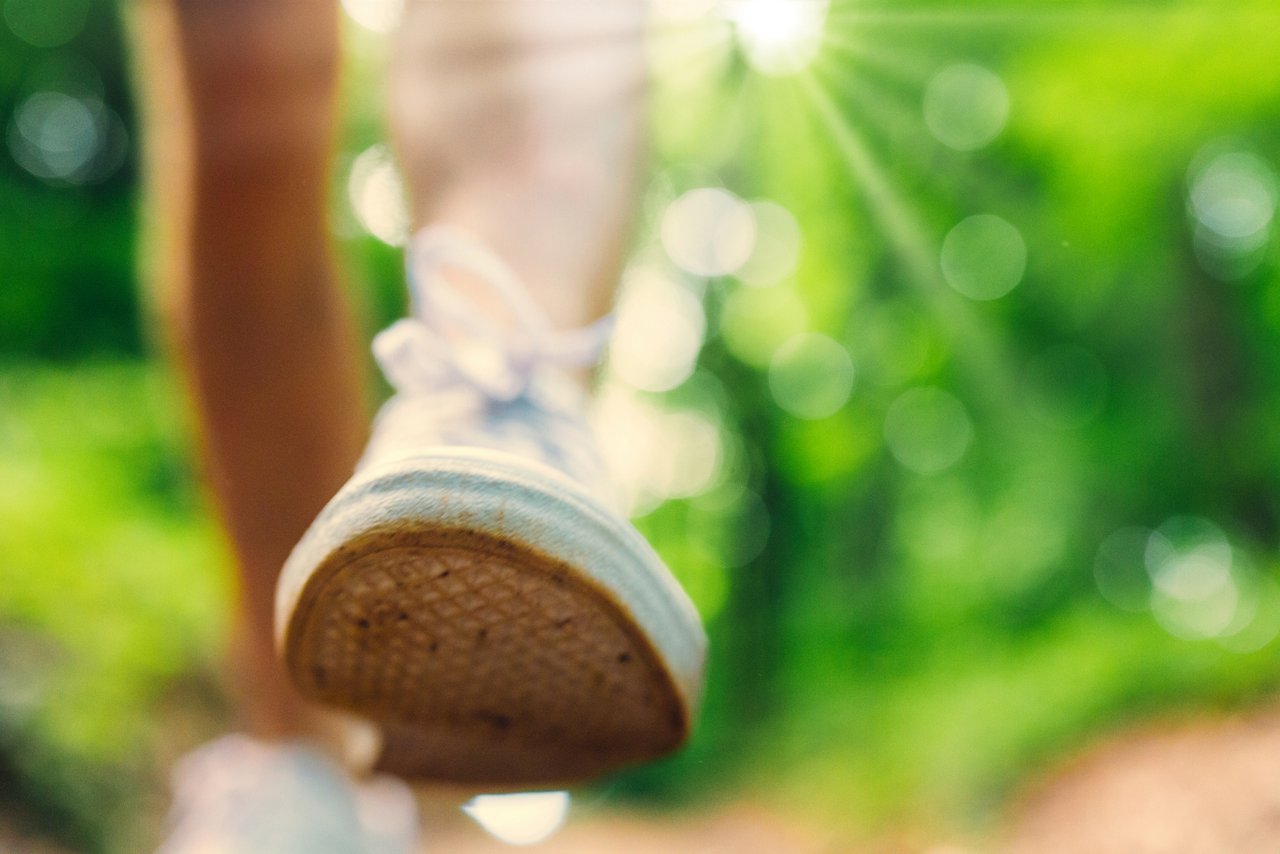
(451,342)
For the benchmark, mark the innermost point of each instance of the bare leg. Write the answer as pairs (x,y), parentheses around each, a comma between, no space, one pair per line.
(240,109)
(425,600)
(480,609)
(521,122)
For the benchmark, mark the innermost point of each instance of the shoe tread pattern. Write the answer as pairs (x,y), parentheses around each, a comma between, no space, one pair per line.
(482,661)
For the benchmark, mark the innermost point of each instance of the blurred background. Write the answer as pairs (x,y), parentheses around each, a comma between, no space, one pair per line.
(946,378)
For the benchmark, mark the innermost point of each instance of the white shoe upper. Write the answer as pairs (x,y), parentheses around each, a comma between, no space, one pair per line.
(486,432)
(465,378)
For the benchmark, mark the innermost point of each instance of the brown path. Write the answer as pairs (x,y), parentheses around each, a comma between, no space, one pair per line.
(739,829)
(1204,787)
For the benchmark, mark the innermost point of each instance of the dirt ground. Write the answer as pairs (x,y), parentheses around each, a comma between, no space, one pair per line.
(741,829)
(1198,787)
(1207,786)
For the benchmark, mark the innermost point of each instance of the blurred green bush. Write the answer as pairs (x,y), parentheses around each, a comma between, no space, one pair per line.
(990,467)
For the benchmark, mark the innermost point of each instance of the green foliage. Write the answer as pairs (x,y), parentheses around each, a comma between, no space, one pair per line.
(912,643)
(899,632)
(113,584)
(56,303)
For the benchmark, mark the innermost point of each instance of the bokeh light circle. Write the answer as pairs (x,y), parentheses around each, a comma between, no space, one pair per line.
(777,245)
(654,308)
(67,139)
(709,231)
(984,257)
(375,189)
(966,106)
(927,430)
(811,376)
(755,322)
(1232,198)
(652,453)
(1195,591)
(1234,195)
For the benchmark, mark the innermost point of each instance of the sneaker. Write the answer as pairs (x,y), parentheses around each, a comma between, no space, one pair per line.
(472,590)
(241,796)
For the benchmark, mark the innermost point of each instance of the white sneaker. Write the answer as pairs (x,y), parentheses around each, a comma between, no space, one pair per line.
(240,796)
(471,590)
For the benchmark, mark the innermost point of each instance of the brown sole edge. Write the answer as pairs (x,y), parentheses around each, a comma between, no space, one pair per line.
(482,660)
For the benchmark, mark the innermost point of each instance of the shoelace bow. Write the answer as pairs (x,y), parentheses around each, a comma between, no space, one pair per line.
(451,344)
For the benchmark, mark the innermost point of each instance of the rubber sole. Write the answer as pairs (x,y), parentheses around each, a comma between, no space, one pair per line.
(498,624)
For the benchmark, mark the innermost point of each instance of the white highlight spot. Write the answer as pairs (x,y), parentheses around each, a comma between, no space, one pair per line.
(779,36)
(520,819)
(380,16)
(61,129)
(1232,199)
(65,138)
(777,246)
(660,329)
(709,231)
(966,106)
(1195,593)
(693,454)
(654,454)
(984,257)
(1185,535)
(1234,195)
(376,192)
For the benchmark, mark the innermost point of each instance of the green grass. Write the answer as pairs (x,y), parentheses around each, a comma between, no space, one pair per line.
(113,583)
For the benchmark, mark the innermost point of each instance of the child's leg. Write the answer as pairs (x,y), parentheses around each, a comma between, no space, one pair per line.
(239,102)
(471,591)
(522,122)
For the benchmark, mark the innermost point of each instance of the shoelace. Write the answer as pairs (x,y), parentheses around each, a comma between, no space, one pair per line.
(452,344)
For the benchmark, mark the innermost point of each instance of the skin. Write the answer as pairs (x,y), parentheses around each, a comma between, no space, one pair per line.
(519,121)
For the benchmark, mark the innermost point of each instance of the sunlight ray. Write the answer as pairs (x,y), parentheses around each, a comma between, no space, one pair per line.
(896,116)
(892,112)
(903,65)
(976,345)
(906,234)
